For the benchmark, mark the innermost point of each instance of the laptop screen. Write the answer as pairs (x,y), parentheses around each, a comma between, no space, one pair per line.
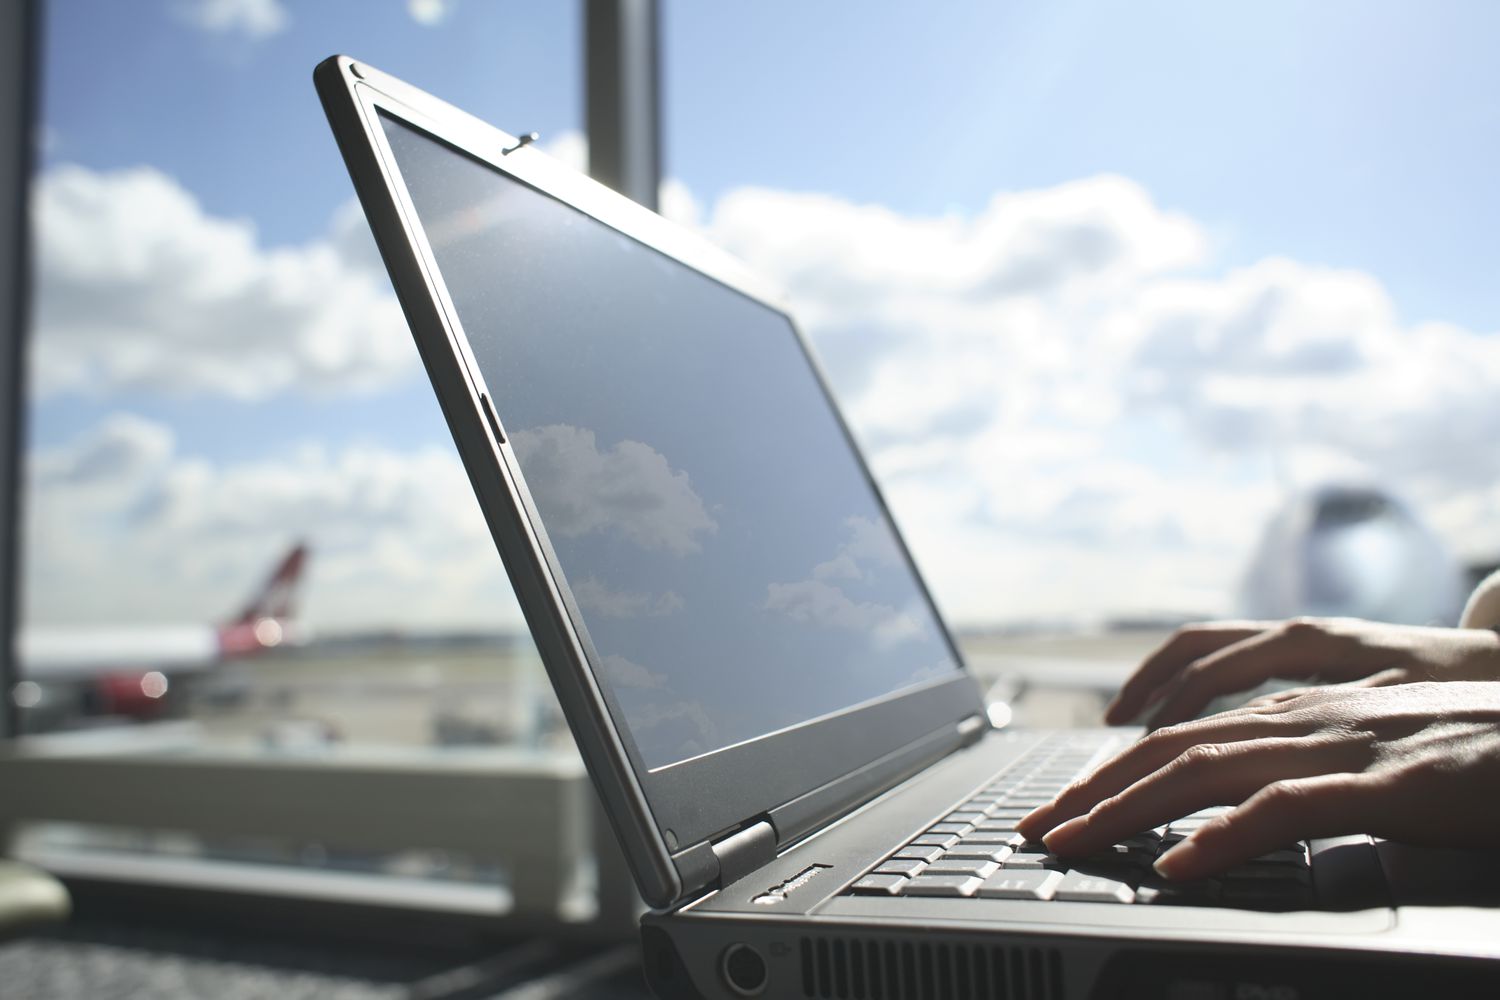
(734,570)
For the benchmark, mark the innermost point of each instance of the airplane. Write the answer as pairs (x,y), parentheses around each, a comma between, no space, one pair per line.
(1332,550)
(1352,550)
(126,670)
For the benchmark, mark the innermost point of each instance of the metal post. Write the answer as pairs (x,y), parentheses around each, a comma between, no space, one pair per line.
(20,35)
(622,95)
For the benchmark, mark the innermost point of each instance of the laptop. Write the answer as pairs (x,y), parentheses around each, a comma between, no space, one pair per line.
(798,768)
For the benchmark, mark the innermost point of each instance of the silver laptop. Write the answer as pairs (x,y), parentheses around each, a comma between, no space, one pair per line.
(798,767)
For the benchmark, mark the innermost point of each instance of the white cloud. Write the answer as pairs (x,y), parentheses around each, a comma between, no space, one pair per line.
(1072,409)
(123,527)
(430,13)
(592,595)
(628,488)
(1073,413)
(255,19)
(571,148)
(138,288)
(867,260)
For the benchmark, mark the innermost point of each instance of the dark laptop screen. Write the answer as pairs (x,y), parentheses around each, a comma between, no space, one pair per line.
(733,567)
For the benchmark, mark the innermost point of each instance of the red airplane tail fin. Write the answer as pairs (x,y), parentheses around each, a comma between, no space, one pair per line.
(277,598)
(264,622)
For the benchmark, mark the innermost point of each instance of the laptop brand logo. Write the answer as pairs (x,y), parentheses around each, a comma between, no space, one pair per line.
(779,893)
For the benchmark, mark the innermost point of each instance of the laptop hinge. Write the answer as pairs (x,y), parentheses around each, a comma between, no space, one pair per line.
(745,850)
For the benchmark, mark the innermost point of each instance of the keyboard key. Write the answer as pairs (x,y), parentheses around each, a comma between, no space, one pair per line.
(1203,892)
(964,816)
(1077,887)
(981,852)
(978,867)
(1006,815)
(1285,856)
(1186,826)
(1124,856)
(879,885)
(957,829)
(1148,841)
(1270,873)
(943,840)
(898,866)
(919,853)
(1020,885)
(998,824)
(997,837)
(941,885)
(1028,859)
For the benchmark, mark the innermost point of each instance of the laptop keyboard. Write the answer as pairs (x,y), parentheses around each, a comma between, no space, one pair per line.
(975,852)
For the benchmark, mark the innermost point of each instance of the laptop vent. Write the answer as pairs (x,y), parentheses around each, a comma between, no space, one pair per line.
(838,968)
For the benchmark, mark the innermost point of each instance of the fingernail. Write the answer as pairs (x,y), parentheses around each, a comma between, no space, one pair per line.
(1065,832)
(1177,862)
(1031,817)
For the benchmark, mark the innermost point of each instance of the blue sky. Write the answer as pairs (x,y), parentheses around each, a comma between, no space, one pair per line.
(1349,133)
(1355,135)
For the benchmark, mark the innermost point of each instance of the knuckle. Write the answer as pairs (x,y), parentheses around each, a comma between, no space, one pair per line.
(1302,627)
(1201,755)
(1283,797)
(1159,739)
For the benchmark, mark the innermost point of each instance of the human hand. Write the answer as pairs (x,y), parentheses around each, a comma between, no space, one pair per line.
(1201,662)
(1416,762)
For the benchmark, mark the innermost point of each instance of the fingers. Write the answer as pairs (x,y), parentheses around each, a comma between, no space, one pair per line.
(1143,758)
(1295,649)
(1187,645)
(1204,775)
(1286,811)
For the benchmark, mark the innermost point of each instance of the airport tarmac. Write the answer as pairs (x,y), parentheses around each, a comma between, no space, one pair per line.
(493,691)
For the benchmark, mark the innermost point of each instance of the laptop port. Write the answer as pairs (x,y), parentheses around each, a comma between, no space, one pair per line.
(744,970)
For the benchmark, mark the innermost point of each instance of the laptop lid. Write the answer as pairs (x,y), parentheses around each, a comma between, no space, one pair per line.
(736,632)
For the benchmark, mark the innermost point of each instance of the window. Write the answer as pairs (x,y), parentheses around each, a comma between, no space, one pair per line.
(244,518)
(1106,289)
(220,373)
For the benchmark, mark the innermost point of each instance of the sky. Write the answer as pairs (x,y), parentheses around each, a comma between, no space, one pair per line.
(1096,284)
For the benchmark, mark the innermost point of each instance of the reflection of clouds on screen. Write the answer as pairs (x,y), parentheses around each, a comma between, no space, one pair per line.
(734,571)
(628,488)
(592,595)
(870,545)
(682,729)
(823,600)
(629,674)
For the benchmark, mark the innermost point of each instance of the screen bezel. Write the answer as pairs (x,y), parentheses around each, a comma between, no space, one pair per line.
(684,802)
